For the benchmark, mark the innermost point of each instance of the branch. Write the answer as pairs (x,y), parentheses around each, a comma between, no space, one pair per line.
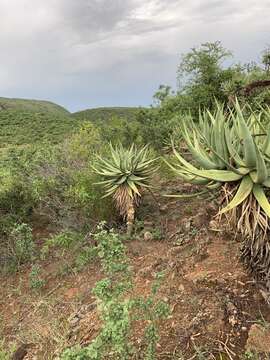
(254,85)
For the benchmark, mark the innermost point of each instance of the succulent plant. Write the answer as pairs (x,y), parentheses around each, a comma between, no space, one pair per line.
(232,152)
(125,174)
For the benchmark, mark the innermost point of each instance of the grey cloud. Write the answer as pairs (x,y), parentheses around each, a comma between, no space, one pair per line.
(100,52)
(86,17)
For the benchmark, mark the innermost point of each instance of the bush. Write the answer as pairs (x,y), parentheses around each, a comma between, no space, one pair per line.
(63,184)
(18,246)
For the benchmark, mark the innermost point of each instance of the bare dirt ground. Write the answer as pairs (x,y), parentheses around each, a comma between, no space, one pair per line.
(217,310)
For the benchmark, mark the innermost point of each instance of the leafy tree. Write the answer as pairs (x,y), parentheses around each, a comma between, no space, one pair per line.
(201,75)
(162,94)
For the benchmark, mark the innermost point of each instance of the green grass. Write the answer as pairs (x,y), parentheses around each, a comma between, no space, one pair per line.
(106,113)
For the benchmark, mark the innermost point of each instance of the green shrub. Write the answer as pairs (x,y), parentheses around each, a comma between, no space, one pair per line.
(35,280)
(62,183)
(22,243)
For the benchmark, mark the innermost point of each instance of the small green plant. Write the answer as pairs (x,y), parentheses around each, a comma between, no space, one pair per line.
(157,233)
(152,311)
(6,350)
(113,307)
(117,308)
(35,280)
(250,355)
(21,244)
(126,173)
(64,240)
(4,355)
(85,256)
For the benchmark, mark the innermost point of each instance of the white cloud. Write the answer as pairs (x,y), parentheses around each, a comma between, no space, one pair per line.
(59,49)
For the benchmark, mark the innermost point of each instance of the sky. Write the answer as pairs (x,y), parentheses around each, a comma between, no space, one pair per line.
(90,53)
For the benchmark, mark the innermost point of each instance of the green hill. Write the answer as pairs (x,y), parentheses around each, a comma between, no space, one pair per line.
(32,105)
(25,122)
(106,113)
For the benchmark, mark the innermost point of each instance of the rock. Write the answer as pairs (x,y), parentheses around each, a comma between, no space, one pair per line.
(148,236)
(187,225)
(148,223)
(74,320)
(181,288)
(163,208)
(258,339)
(198,276)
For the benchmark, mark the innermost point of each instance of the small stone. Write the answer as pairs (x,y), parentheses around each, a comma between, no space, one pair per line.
(214,225)
(148,236)
(181,288)
(163,208)
(244,328)
(74,321)
(148,223)
(187,225)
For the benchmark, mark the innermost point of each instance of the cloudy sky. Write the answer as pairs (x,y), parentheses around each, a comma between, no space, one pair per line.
(89,53)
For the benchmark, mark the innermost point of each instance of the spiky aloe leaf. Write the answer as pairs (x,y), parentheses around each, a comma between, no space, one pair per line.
(198,154)
(261,198)
(242,193)
(232,151)
(261,167)
(246,138)
(266,183)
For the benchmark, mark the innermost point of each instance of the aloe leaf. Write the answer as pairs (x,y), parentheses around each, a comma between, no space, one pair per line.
(242,193)
(266,183)
(246,138)
(233,153)
(193,148)
(261,198)
(132,185)
(261,173)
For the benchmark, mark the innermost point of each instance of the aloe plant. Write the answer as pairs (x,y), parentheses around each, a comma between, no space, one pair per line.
(232,152)
(125,175)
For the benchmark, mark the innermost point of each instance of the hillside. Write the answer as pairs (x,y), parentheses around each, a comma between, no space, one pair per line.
(105,113)
(32,105)
(30,121)
(25,121)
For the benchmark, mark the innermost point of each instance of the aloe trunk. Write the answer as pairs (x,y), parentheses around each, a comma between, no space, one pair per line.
(130,217)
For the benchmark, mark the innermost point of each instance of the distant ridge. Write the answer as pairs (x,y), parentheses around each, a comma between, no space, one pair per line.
(106,113)
(31,105)
(26,121)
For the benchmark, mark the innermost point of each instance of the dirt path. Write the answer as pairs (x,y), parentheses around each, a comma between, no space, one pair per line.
(215,305)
